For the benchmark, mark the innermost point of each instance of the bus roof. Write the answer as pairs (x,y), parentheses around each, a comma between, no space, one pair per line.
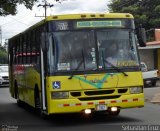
(78,16)
(89,15)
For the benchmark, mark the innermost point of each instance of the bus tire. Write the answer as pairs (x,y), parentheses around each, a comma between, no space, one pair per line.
(37,100)
(16,93)
(15,89)
(38,108)
(19,103)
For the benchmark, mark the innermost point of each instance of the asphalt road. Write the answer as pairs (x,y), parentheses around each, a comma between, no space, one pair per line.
(16,118)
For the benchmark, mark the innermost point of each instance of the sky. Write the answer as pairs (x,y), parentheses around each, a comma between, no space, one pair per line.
(12,25)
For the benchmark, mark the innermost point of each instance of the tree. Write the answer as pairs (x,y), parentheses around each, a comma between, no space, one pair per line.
(3,55)
(146,12)
(9,7)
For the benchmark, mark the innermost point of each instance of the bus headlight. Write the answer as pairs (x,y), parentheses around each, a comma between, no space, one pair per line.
(59,95)
(136,90)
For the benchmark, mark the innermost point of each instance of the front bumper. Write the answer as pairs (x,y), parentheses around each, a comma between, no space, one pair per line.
(75,106)
(4,83)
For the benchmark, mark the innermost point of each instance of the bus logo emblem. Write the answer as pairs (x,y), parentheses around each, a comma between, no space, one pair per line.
(56,84)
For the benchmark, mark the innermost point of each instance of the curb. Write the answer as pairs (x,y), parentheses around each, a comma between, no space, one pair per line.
(156,98)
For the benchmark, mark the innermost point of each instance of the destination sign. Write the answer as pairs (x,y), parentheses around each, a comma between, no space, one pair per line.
(106,23)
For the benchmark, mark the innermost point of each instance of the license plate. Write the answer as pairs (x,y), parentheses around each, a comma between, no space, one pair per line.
(101,107)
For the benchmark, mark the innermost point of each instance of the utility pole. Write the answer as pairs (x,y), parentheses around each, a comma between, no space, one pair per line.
(45,5)
(0,36)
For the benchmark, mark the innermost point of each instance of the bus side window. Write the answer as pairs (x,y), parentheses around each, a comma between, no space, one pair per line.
(33,50)
(22,43)
(15,53)
(37,47)
(18,52)
(28,50)
(24,53)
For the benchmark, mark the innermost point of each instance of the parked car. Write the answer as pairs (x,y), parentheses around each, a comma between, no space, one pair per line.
(150,77)
(4,75)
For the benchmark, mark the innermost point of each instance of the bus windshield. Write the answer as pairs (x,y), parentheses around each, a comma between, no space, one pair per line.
(74,47)
(117,48)
(89,50)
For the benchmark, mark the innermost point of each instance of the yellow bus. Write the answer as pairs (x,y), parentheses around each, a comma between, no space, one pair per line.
(77,63)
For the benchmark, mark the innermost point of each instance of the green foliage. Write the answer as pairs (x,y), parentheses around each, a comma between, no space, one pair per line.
(3,55)
(146,12)
(9,7)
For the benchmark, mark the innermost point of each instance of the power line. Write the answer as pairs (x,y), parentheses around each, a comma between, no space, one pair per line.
(14,20)
(47,4)
(18,21)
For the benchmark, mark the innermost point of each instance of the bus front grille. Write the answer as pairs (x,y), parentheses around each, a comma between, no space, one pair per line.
(92,92)
(101,92)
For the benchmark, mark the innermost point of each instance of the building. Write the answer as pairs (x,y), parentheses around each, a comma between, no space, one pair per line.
(151,53)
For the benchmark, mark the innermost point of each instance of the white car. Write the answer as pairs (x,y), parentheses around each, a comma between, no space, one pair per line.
(149,76)
(4,75)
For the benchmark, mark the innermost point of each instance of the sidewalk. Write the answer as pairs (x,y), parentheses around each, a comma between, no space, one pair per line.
(152,94)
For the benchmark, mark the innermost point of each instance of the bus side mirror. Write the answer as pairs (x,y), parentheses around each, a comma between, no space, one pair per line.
(44,41)
(141,34)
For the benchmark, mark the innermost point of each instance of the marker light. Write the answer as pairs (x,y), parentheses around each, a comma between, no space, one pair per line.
(87,111)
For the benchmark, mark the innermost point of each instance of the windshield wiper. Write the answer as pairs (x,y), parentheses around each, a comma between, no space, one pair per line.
(79,65)
(114,67)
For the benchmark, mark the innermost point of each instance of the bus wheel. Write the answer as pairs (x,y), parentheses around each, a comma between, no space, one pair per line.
(19,102)
(15,89)
(37,100)
(38,104)
(114,113)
